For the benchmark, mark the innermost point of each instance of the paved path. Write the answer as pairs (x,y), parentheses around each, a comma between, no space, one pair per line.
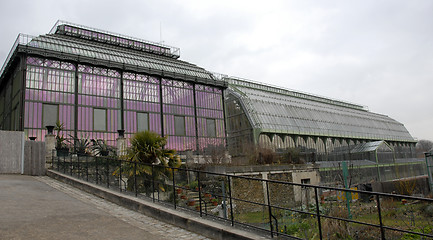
(43,208)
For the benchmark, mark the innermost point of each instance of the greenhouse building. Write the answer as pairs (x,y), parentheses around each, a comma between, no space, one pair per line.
(322,129)
(99,84)
(96,83)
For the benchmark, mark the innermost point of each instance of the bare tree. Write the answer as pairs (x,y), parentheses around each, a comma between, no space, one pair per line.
(423,146)
(216,154)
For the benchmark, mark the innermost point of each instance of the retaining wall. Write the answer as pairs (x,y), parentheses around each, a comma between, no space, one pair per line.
(18,156)
(11,152)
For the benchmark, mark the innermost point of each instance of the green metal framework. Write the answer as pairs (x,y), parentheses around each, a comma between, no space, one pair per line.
(283,118)
(97,83)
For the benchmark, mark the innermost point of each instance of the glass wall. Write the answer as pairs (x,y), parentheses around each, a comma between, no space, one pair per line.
(179,120)
(210,116)
(49,96)
(142,107)
(98,103)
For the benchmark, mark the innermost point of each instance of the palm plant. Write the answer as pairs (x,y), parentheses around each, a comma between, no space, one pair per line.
(149,159)
(61,147)
(59,137)
(101,148)
(81,145)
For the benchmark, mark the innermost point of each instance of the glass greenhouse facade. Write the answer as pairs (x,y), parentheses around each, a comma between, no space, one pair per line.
(97,83)
(280,119)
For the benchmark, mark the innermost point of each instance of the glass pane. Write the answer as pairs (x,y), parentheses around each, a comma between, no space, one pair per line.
(51,114)
(179,127)
(142,122)
(211,128)
(99,119)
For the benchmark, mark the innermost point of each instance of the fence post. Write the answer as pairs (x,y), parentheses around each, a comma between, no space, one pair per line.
(174,189)
(64,163)
(318,213)
(78,167)
(71,164)
(270,209)
(199,192)
(153,185)
(230,197)
(107,165)
(87,169)
(120,175)
(135,178)
(58,163)
(96,170)
(382,231)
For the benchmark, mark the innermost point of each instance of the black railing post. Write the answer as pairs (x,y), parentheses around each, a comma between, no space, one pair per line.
(87,169)
(64,163)
(230,197)
(120,175)
(199,192)
(153,185)
(319,224)
(174,189)
(96,170)
(270,209)
(58,163)
(78,167)
(52,159)
(382,231)
(70,164)
(107,165)
(135,179)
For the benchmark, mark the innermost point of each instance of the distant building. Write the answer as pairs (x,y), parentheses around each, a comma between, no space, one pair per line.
(96,83)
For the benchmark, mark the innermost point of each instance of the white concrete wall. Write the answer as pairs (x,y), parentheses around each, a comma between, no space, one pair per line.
(306,195)
(11,152)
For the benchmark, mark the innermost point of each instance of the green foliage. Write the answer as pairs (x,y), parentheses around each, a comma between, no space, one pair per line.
(148,161)
(295,228)
(60,140)
(101,148)
(148,147)
(193,185)
(81,145)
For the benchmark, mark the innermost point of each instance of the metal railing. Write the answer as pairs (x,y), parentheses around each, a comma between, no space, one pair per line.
(279,208)
(22,39)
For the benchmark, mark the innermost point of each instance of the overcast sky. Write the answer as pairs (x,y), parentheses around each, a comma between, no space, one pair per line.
(374,53)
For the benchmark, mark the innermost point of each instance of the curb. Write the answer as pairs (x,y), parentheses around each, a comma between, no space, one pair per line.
(207,228)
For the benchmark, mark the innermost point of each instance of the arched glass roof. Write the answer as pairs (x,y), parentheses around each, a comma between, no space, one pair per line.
(278,110)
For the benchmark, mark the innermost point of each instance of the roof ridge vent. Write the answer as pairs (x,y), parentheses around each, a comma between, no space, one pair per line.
(93,34)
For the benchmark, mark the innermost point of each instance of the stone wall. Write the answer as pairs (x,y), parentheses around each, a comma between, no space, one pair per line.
(34,158)
(250,190)
(11,152)
(281,194)
(18,156)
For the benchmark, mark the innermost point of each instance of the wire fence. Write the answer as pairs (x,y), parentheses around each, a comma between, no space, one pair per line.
(279,208)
